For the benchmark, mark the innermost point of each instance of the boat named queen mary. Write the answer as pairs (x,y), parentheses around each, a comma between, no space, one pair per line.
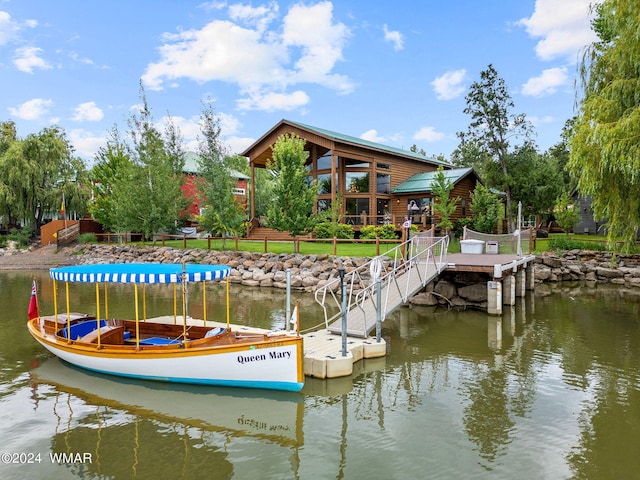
(173,348)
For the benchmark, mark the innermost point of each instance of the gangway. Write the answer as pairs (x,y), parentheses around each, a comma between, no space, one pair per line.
(402,272)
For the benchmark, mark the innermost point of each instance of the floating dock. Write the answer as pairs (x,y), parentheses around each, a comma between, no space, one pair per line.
(322,349)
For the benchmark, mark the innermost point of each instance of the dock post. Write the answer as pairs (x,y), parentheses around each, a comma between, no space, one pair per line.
(530,281)
(520,283)
(509,290)
(494,297)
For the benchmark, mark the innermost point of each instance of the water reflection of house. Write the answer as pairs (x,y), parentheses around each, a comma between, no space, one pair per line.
(193,181)
(370,177)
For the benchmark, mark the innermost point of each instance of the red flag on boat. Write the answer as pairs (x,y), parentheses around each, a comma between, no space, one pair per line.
(33,302)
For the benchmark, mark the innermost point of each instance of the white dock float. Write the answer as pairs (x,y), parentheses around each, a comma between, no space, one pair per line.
(323,353)
(322,349)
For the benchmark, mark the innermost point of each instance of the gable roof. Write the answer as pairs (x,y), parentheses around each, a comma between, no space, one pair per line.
(349,140)
(192,167)
(421,182)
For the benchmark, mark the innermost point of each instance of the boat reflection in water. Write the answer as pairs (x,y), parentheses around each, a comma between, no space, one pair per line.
(185,427)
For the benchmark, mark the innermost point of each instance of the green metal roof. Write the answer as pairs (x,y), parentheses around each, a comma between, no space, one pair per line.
(421,182)
(191,166)
(341,137)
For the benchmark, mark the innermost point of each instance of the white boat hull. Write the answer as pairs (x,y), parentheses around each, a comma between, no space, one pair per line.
(275,367)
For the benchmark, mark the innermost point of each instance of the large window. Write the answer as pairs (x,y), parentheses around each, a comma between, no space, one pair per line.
(324,161)
(356,209)
(324,183)
(357,182)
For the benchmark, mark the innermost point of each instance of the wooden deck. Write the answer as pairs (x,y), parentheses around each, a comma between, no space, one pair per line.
(486,263)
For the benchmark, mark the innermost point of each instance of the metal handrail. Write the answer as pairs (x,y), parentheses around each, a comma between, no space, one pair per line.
(414,255)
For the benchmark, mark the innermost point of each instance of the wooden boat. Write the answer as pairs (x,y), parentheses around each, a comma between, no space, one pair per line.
(174,348)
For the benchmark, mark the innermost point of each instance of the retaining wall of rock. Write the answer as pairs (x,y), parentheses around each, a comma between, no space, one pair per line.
(309,272)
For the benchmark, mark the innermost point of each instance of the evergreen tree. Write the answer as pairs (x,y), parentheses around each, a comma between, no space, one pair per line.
(444,206)
(221,212)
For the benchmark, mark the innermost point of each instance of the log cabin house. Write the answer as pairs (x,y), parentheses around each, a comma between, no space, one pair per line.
(378,184)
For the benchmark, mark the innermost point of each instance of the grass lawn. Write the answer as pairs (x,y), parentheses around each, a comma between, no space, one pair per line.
(366,248)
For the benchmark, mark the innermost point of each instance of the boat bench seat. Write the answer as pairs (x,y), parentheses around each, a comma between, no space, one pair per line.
(80,329)
(109,334)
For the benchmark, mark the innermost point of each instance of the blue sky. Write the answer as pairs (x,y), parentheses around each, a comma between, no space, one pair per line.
(391,72)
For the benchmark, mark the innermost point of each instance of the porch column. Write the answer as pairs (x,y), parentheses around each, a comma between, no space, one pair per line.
(253,190)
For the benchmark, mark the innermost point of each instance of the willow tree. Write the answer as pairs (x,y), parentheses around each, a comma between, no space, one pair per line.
(605,146)
(294,195)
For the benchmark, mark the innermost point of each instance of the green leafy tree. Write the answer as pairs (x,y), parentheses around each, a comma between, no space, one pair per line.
(222,214)
(485,209)
(538,179)
(264,180)
(444,206)
(492,129)
(294,195)
(148,199)
(605,145)
(112,165)
(566,213)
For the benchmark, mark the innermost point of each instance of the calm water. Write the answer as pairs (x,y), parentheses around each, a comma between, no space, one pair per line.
(551,390)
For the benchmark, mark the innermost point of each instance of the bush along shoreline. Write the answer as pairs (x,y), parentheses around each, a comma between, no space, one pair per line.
(309,272)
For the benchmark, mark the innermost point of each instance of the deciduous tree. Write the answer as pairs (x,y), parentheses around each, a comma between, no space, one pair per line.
(294,195)
(492,128)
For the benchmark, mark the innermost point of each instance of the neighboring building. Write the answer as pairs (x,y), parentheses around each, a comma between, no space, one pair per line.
(192,182)
(367,175)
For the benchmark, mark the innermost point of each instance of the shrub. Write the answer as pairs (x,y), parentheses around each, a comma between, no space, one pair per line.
(368,232)
(330,230)
(384,232)
(87,238)
(564,243)
(22,237)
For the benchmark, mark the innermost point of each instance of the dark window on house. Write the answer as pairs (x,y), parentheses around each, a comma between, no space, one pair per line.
(383,183)
(384,166)
(324,205)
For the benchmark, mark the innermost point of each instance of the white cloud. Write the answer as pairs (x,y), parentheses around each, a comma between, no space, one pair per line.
(86,143)
(564,28)
(33,109)
(450,85)
(547,83)
(8,28)
(264,62)
(372,136)
(394,37)
(26,59)
(428,134)
(273,101)
(87,111)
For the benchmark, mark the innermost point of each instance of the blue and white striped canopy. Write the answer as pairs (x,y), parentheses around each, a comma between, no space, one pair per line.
(139,273)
